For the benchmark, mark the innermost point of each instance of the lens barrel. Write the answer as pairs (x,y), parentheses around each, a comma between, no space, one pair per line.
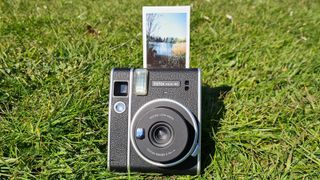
(171,132)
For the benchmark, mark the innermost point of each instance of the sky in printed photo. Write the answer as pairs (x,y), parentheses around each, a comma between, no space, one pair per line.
(171,25)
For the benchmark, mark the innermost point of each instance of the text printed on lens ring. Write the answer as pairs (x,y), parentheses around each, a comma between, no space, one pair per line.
(161,115)
(160,154)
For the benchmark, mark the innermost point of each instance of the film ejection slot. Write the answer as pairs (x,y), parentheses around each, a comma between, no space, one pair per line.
(140,82)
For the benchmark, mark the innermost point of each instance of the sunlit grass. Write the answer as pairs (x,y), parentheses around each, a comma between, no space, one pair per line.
(54,77)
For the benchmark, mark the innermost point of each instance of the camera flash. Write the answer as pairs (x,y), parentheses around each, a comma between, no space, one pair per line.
(140,82)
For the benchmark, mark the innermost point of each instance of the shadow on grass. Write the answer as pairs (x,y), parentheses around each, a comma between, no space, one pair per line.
(213,110)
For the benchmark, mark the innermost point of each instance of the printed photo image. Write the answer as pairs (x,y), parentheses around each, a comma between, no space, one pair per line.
(166,37)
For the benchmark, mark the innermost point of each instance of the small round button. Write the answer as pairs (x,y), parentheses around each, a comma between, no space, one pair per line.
(119,107)
(140,133)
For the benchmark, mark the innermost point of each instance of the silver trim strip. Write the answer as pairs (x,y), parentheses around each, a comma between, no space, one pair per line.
(109,117)
(199,118)
(129,119)
(195,140)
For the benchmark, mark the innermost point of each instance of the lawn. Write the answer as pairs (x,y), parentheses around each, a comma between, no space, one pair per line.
(260,63)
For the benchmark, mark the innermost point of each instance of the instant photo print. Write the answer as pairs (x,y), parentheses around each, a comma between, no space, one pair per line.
(166,36)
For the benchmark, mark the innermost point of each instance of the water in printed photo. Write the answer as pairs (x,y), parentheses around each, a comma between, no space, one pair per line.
(166,40)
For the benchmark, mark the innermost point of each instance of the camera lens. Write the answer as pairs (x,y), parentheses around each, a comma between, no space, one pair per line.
(161,134)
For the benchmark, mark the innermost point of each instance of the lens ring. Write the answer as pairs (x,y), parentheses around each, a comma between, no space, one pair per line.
(161,103)
(161,134)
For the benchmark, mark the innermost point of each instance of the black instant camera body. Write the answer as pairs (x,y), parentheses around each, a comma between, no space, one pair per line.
(155,121)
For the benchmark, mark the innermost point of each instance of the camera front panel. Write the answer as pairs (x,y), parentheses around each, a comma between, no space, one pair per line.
(179,85)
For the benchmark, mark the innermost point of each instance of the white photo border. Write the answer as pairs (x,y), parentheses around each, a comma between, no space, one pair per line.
(165,9)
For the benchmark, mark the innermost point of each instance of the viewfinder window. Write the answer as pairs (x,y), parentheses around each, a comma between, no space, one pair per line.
(120,88)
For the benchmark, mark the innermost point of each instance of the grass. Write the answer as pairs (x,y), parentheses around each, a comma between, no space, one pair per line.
(260,62)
